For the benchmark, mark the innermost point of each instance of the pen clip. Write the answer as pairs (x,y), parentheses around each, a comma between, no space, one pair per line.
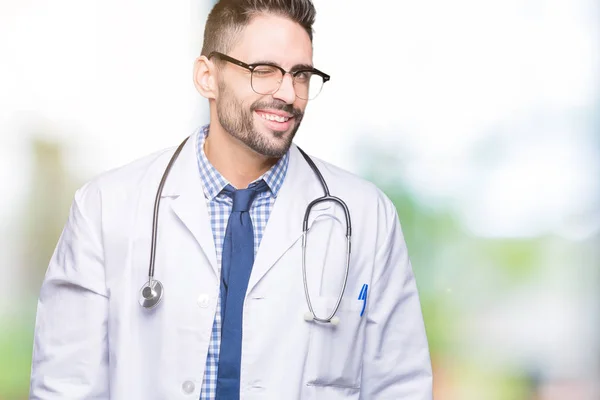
(363,296)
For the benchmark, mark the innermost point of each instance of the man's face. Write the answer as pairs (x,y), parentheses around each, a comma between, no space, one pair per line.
(265,123)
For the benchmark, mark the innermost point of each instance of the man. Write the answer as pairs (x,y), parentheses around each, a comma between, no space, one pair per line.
(241,310)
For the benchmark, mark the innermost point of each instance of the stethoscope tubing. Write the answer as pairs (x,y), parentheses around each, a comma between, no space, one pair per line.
(156,208)
(152,291)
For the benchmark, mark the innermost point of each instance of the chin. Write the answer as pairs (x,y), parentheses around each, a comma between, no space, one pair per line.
(272,145)
(274,151)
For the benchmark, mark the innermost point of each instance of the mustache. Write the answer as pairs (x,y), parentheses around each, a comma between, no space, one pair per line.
(278,105)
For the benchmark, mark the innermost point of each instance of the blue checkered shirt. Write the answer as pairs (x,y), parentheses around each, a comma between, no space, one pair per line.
(219,207)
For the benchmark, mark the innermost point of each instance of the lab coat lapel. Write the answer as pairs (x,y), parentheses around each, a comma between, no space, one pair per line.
(284,227)
(189,204)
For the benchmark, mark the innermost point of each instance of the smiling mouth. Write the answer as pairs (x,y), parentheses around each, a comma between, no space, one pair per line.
(273,117)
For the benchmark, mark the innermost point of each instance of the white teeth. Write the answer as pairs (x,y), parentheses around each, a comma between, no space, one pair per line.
(272,117)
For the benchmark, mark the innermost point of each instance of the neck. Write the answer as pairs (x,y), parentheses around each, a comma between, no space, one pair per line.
(239,164)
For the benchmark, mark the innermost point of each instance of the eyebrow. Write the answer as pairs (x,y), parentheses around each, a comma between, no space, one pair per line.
(296,67)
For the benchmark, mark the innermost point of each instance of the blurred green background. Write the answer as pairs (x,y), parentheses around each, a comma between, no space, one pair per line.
(481,120)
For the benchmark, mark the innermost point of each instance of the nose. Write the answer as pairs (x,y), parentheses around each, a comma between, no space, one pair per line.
(286,91)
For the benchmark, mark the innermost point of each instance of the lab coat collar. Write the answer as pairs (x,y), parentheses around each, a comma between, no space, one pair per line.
(284,227)
(184,185)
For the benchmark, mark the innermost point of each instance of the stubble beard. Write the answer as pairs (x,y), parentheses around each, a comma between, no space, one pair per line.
(238,121)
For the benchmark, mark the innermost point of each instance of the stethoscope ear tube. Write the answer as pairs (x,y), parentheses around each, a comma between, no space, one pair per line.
(152,292)
(311,316)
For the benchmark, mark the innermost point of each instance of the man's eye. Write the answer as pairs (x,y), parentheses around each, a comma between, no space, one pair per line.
(264,71)
(302,76)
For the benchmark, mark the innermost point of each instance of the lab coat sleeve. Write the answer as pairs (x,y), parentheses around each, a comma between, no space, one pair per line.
(70,358)
(396,359)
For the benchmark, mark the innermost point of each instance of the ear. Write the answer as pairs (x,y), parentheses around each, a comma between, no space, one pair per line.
(205,78)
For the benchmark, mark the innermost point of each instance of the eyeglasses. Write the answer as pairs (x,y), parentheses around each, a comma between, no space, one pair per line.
(267,78)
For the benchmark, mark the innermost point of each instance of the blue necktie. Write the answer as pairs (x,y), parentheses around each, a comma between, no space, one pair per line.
(236,265)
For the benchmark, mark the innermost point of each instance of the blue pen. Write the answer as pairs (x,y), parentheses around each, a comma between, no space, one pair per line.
(363,296)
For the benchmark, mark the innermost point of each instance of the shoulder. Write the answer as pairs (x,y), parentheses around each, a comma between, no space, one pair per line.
(123,181)
(355,189)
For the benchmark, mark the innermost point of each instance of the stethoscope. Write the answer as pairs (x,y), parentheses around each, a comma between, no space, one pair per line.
(152,292)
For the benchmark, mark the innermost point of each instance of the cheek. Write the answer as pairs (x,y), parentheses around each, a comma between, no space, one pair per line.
(237,92)
(300,104)
(247,98)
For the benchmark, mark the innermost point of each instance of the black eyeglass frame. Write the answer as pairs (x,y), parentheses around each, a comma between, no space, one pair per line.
(252,67)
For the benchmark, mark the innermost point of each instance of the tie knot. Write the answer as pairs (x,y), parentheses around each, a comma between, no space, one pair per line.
(242,198)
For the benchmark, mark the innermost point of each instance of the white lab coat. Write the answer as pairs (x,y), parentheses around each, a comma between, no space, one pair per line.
(94,341)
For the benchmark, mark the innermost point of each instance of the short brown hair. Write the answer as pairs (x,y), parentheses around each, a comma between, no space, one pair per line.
(228,18)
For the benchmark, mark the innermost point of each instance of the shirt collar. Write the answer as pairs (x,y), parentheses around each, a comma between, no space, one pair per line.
(213,182)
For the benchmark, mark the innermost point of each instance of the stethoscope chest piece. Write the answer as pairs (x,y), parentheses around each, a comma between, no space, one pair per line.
(151,294)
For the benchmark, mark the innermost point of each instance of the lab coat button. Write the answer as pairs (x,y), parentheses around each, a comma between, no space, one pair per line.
(203,300)
(188,387)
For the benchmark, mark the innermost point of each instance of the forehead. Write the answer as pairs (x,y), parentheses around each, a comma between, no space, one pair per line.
(276,39)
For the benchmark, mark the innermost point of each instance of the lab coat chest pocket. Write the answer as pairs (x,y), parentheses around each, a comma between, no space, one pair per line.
(335,351)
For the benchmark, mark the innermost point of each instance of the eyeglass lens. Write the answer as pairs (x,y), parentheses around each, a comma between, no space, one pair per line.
(267,80)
